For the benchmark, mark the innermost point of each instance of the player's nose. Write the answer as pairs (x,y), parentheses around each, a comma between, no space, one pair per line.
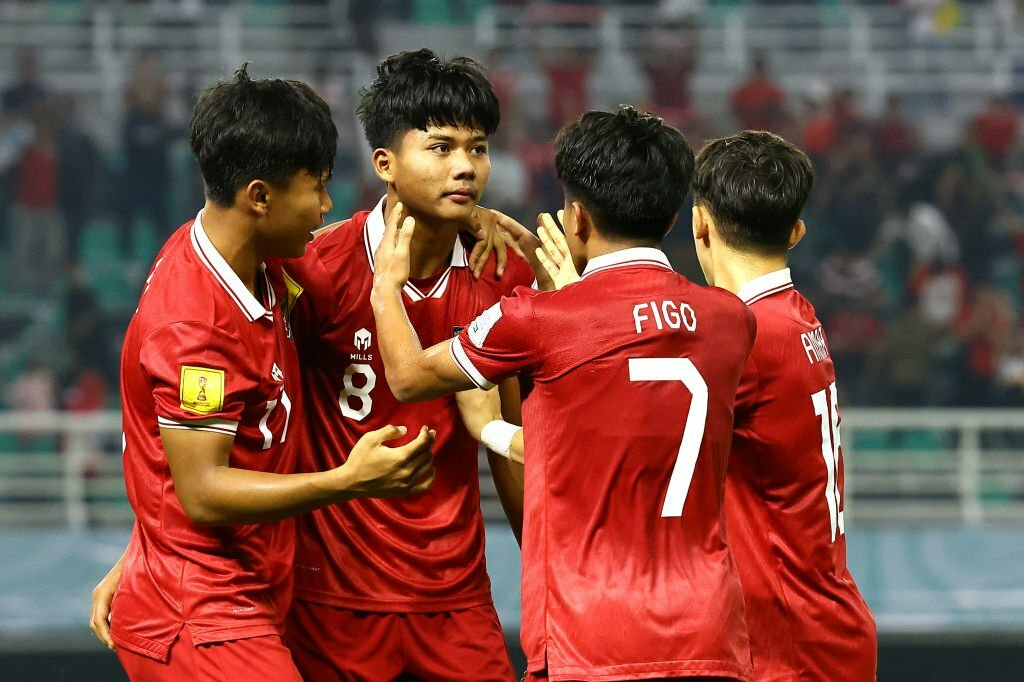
(462,165)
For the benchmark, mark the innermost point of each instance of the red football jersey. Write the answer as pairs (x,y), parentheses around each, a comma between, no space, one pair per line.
(420,554)
(784,500)
(626,570)
(203,353)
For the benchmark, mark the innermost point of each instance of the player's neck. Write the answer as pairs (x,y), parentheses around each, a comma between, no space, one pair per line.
(599,246)
(230,234)
(431,249)
(733,269)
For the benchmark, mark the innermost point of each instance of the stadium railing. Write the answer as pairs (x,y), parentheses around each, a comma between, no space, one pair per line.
(902,466)
(88,48)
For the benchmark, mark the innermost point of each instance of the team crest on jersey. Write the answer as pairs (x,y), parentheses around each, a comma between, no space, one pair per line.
(202,389)
(294,291)
(363,339)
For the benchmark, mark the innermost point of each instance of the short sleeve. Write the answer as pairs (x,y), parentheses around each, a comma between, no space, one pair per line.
(500,342)
(200,375)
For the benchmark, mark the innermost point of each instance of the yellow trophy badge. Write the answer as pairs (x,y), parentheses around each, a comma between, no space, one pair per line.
(202,389)
(294,291)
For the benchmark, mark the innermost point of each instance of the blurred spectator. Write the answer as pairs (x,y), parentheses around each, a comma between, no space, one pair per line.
(78,170)
(996,127)
(757,103)
(89,392)
(34,390)
(38,244)
(145,144)
(27,91)
(86,330)
(988,329)
(669,55)
(923,229)
(820,138)
(895,137)
(567,72)
(900,372)
(18,99)
(941,289)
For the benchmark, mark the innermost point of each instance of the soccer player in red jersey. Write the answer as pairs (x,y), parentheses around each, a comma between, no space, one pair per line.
(626,570)
(393,588)
(212,404)
(784,495)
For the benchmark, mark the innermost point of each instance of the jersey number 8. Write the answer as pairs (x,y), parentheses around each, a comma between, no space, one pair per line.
(360,395)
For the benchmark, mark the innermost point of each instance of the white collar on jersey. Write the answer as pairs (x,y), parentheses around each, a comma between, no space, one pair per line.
(639,255)
(373,234)
(765,285)
(227,278)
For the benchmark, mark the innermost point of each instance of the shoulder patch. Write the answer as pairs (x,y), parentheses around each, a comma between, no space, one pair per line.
(202,389)
(481,326)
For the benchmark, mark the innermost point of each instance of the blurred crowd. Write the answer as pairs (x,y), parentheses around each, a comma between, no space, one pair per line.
(913,256)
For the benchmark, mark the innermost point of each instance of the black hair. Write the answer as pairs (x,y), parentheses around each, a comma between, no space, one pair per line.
(754,184)
(629,169)
(267,129)
(414,90)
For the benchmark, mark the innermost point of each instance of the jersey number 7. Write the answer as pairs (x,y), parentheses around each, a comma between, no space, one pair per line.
(678,369)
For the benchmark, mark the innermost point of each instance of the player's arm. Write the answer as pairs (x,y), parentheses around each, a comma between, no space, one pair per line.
(493,420)
(413,373)
(102,598)
(214,493)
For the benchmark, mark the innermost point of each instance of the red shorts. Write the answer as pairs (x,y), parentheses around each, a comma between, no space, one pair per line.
(336,644)
(256,659)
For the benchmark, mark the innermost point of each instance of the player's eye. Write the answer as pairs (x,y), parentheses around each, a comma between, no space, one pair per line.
(480,149)
(443,148)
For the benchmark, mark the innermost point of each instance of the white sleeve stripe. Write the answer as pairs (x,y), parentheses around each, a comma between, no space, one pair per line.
(215,425)
(464,363)
(207,429)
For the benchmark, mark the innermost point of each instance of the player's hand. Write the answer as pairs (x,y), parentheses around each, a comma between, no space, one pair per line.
(102,598)
(376,470)
(529,246)
(478,407)
(554,254)
(490,240)
(391,262)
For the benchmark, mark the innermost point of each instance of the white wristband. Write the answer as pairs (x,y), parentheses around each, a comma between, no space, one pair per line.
(497,436)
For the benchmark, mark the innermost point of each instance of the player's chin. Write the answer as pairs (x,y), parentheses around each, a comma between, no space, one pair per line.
(451,210)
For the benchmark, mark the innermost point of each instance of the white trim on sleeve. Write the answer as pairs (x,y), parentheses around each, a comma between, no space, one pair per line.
(211,425)
(469,369)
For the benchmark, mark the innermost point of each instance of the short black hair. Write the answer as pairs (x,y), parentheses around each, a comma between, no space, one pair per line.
(754,184)
(629,168)
(268,129)
(415,90)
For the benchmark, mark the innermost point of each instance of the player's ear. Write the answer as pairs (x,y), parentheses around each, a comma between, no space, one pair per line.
(799,230)
(700,224)
(256,197)
(383,164)
(581,221)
